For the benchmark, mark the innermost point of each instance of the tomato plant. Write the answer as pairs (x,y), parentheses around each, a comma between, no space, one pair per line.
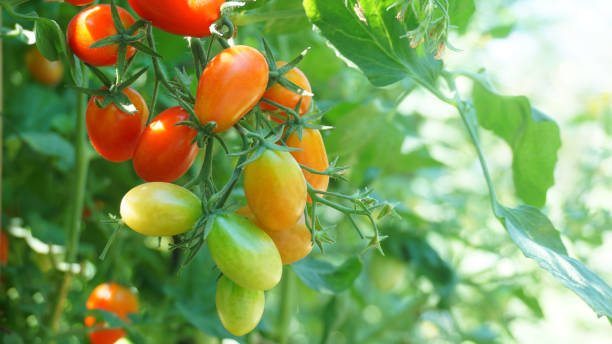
(80,2)
(42,70)
(166,150)
(286,97)
(312,154)
(114,298)
(113,133)
(92,24)
(275,190)
(244,252)
(183,17)
(239,309)
(160,209)
(232,83)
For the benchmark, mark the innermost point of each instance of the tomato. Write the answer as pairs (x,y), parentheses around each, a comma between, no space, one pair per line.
(113,133)
(91,25)
(4,248)
(230,86)
(114,298)
(293,244)
(312,155)
(386,272)
(180,17)
(42,70)
(239,309)
(284,96)
(275,190)
(244,252)
(166,150)
(160,209)
(79,2)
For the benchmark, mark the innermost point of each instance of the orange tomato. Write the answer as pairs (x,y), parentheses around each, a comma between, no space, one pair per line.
(42,70)
(230,86)
(312,155)
(284,96)
(114,298)
(4,248)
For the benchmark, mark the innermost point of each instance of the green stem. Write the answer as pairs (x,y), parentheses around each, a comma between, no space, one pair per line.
(286,304)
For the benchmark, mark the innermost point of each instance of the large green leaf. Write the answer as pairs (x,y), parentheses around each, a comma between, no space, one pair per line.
(533,137)
(326,278)
(368,33)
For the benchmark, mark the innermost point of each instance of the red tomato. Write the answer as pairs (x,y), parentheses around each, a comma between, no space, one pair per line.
(284,96)
(165,151)
(44,71)
(180,17)
(79,2)
(113,133)
(275,190)
(91,25)
(4,248)
(312,155)
(230,86)
(114,298)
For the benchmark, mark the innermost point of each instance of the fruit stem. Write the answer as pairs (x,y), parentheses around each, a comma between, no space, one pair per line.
(286,304)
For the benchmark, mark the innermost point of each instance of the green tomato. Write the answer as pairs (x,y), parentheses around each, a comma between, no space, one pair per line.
(160,209)
(386,272)
(239,309)
(244,252)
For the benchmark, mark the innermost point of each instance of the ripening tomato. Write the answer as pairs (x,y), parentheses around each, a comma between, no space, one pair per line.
(91,25)
(293,244)
(114,298)
(286,97)
(79,2)
(4,248)
(275,190)
(312,155)
(386,272)
(230,86)
(160,209)
(166,150)
(239,309)
(244,252)
(180,17)
(114,133)
(42,70)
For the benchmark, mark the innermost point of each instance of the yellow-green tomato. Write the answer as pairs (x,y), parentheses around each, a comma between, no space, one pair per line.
(239,309)
(244,252)
(386,272)
(275,190)
(160,209)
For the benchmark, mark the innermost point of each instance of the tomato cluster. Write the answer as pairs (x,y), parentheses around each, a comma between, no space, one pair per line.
(113,298)
(251,245)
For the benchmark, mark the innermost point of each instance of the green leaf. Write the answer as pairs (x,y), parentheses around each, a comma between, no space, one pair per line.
(48,38)
(533,137)
(369,34)
(325,277)
(52,145)
(461,11)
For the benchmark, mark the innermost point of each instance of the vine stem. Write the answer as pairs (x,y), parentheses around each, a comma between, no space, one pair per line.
(74,229)
(286,304)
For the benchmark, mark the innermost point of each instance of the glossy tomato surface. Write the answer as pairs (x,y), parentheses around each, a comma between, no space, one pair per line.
(244,252)
(42,70)
(293,244)
(230,86)
(114,298)
(284,96)
(312,155)
(160,209)
(79,2)
(180,17)
(239,309)
(275,190)
(166,150)
(91,25)
(114,133)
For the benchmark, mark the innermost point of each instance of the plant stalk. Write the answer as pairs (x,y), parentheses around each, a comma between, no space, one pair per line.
(286,304)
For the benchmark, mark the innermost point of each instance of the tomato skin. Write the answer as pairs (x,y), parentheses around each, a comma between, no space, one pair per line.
(312,155)
(244,252)
(293,244)
(275,190)
(180,17)
(230,86)
(239,309)
(79,2)
(113,133)
(386,272)
(4,248)
(166,150)
(91,25)
(114,298)
(160,209)
(284,96)
(42,70)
